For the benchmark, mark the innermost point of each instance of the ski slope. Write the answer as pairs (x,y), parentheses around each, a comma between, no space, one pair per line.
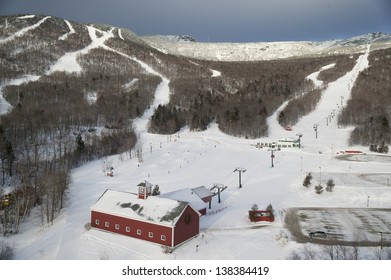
(329,137)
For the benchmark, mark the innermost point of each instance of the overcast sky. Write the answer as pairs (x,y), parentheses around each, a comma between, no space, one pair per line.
(223,20)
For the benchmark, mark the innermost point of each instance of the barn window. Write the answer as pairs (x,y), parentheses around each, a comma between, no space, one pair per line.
(150,234)
(97,221)
(127,229)
(107,224)
(139,232)
(163,237)
(117,226)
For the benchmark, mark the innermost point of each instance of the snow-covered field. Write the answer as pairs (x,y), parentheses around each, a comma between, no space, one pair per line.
(190,159)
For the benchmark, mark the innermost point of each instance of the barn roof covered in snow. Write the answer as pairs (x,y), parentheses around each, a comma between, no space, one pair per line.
(128,205)
(202,192)
(187,195)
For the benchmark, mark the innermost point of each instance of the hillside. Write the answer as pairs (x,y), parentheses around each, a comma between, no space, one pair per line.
(73,93)
(259,51)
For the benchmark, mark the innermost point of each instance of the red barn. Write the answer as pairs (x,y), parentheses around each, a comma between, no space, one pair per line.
(160,220)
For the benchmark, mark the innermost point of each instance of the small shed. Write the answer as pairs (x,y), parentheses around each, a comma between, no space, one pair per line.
(156,219)
(261,216)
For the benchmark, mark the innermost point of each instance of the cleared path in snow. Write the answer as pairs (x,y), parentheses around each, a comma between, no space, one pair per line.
(23,31)
(324,117)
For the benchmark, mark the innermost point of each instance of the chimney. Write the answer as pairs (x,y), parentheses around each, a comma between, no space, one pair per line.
(144,190)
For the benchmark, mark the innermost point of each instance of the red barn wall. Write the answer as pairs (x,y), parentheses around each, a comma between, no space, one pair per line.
(202,211)
(146,228)
(187,226)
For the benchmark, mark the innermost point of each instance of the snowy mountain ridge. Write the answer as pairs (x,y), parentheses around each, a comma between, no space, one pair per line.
(265,50)
(365,39)
(180,38)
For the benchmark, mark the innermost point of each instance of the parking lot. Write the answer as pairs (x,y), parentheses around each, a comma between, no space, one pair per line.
(342,226)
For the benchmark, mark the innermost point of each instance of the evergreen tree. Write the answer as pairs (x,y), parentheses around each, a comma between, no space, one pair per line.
(330,185)
(7,156)
(254,207)
(270,209)
(307,180)
(156,190)
(80,143)
(318,189)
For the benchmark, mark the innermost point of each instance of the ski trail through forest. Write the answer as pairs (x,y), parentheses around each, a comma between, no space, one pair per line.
(321,125)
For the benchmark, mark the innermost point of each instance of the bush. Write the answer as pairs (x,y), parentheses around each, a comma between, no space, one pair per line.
(330,185)
(307,180)
(318,189)
(87,226)
(382,148)
(270,209)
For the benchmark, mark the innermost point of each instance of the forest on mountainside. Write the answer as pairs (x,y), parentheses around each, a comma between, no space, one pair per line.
(246,93)
(369,108)
(305,102)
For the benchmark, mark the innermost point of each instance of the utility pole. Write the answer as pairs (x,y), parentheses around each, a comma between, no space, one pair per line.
(300,135)
(220,188)
(320,175)
(272,156)
(316,130)
(240,170)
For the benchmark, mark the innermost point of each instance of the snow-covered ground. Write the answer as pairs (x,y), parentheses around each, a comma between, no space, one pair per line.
(190,159)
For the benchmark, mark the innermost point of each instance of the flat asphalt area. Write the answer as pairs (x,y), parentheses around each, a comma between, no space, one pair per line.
(343,226)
